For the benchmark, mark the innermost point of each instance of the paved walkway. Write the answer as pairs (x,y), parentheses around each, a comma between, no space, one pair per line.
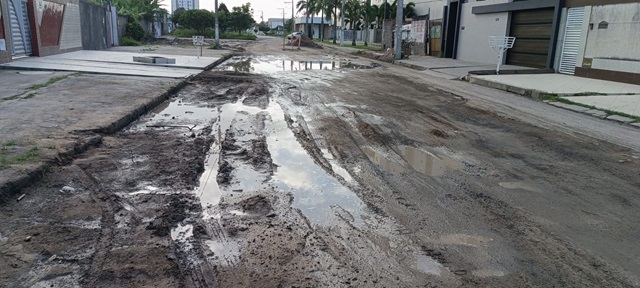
(14,84)
(115,63)
(560,84)
(453,67)
(628,104)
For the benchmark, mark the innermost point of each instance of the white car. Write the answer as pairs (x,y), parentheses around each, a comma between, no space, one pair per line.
(294,34)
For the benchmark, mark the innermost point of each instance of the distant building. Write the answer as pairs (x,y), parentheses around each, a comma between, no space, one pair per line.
(319,26)
(276,25)
(186,4)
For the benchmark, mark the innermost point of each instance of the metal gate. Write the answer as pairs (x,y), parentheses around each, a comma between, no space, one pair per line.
(435,37)
(20,30)
(571,42)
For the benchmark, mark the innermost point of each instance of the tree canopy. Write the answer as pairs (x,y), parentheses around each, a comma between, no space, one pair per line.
(241,18)
(199,20)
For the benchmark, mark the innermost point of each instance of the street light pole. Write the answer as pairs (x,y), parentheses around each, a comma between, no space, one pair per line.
(217,27)
(283,34)
(342,26)
(398,47)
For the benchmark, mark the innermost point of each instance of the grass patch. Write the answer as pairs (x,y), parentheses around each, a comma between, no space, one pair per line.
(348,44)
(14,97)
(237,36)
(31,155)
(30,95)
(556,98)
(126,41)
(51,81)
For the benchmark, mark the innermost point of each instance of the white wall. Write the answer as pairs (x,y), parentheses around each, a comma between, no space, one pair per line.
(615,48)
(475,29)
(424,7)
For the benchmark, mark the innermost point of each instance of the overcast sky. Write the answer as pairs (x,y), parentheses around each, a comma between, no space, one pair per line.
(268,7)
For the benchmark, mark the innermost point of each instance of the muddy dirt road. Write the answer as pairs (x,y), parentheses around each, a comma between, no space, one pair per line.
(319,169)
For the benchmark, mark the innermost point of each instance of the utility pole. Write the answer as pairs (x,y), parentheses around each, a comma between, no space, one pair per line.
(342,26)
(398,47)
(283,34)
(217,26)
(292,23)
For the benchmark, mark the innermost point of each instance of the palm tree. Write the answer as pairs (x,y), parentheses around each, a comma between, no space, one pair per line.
(312,9)
(368,15)
(302,6)
(324,6)
(409,10)
(352,12)
(333,7)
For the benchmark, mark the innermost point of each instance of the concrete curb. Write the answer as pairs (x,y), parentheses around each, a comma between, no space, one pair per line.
(531,93)
(536,94)
(32,174)
(411,66)
(224,57)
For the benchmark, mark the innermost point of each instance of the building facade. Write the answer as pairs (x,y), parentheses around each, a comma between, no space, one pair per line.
(5,40)
(600,39)
(320,26)
(46,27)
(186,4)
(276,25)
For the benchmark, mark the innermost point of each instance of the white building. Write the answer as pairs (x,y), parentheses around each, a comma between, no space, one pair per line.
(186,4)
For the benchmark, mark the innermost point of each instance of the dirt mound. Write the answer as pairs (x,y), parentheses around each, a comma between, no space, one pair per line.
(305,41)
(256,204)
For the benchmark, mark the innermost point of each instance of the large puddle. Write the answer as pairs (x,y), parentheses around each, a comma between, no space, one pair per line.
(268,66)
(425,162)
(316,193)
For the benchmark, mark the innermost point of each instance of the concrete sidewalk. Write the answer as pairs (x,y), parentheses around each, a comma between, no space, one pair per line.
(605,99)
(115,63)
(452,67)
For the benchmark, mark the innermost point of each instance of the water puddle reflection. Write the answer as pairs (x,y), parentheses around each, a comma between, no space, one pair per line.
(422,161)
(427,265)
(250,65)
(176,109)
(223,252)
(315,191)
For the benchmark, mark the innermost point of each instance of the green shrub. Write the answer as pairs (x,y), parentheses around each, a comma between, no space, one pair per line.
(237,36)
(126,41)
(134,31)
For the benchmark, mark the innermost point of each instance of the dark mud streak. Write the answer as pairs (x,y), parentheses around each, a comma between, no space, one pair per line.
(21,181)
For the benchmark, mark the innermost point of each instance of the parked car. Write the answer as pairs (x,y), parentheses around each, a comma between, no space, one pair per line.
(294,34)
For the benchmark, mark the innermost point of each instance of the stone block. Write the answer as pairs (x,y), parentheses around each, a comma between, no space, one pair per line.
(620,119)
(597,113)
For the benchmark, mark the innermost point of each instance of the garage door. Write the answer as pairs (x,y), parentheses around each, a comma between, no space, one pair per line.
(20,32)
(533,30)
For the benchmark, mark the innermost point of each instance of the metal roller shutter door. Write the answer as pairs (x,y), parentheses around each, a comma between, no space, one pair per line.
(20,32)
